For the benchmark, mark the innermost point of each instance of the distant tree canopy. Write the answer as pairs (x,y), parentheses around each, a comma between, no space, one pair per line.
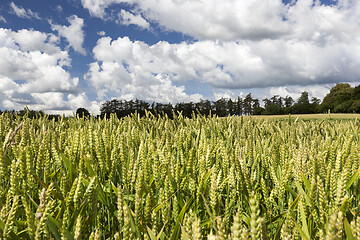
(222,107)
(342,98)
(82,112)
(31,114)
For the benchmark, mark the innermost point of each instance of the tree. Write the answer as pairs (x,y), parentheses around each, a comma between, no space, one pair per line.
(273,109)
(277,101)
(356,93)
(220,107)
(256,103)
(302,106)
(304,98)
(230,107)
(315,105)
(267,102)
(339,94)
(247,104)
(355,107)
(239,106)
(82,112)
(257,110)
(288,101)
(273,106)
(108,107)
(204,107)
(30,113)
(315,101)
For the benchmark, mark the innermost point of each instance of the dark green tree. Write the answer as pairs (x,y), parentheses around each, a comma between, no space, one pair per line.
(288,101)
(248,104)
(82,112)
(335,100)
(302,106)
(239,106)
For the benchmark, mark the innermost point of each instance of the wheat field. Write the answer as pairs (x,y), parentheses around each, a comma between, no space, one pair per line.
(201,178)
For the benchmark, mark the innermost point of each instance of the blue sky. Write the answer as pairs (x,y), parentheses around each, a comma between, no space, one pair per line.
(60,55)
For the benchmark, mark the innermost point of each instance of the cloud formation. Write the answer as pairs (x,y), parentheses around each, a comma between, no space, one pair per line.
(136,70)
(240,44)
(97,7)
(125,66)
(23,13)
(237,46)
(33,72)
(74,34)
(127,18)
(242,19)
(101,33)
(2,19)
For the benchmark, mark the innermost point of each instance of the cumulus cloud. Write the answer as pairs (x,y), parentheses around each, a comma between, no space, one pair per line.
(241,45)
(101,33)
(127,18)
(81,101)
(323,25)
(23,13)
(33,73)
(30,40)
(210,19)
(97,7)
(74,33)
(238,45)
(125,67)
(240,19)
(123,64)
(229,20)
(30,57)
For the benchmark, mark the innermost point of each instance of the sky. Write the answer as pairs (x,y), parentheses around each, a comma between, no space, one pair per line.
(59,55)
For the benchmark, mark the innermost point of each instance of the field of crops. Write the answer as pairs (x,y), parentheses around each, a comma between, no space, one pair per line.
(201,178)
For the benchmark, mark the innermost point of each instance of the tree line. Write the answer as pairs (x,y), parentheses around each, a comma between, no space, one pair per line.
(342,98)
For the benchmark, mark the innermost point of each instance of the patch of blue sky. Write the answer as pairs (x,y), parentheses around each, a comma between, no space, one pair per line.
(198,87)
(325,2)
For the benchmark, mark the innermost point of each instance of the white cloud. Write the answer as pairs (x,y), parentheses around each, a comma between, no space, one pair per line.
(32,73)
(127,18)
(74,33)
(241,45)
(124,68)
(30,40)
(228,94)
(227,65)
(101,33)
(23,13)
(97,7)
(2,19)
(59,8)
(51,100)
(241,19)
(323,24)
(81,101)
(211,19)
